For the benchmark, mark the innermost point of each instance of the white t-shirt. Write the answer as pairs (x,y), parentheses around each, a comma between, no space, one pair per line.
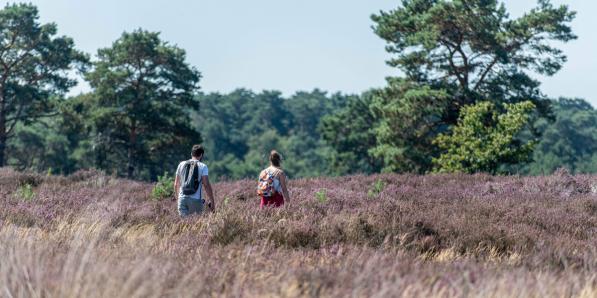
(202,172)
(276,173)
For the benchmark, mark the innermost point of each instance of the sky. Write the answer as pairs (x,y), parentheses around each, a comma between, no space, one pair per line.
(289,45)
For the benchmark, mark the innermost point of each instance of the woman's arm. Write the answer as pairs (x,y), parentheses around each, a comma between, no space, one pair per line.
(282,178)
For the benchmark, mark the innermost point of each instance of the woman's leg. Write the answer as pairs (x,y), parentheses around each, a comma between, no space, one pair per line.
(278,200)
(263,202)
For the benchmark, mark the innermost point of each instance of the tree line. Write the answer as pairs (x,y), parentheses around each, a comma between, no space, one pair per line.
(465,102)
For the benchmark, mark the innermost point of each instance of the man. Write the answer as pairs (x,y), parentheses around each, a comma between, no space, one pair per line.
(194,202)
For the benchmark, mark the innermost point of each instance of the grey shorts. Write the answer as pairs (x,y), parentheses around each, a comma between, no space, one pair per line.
(188,206)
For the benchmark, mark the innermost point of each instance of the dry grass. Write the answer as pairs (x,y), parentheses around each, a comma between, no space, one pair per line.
(90,235)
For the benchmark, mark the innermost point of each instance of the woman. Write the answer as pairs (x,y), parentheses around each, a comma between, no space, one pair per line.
(272,183)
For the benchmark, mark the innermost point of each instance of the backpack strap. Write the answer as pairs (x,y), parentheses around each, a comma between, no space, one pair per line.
(184,167)
(277,172)
(276,176)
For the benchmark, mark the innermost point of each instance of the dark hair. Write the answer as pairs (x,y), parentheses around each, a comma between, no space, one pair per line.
(197,151)
(275,158)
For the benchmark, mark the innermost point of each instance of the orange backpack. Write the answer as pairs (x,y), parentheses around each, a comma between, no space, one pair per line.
(265,186)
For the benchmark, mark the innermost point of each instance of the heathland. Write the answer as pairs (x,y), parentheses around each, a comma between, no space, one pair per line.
(94,235)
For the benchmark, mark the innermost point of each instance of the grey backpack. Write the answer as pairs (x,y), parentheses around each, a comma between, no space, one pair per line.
(190,178)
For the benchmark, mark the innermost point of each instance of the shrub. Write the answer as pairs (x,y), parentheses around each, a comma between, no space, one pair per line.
(321,196)
(295,236)
(376,188)
(164,188)
(25,192)
(226,229)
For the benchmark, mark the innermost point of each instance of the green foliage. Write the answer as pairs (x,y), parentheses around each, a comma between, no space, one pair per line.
(34,64)
(350,133)
(62,143)
(164,188)
(145,112)
(135,121)
(321,196)
(473,46)
(376,188)
(454,54)
(25,193)
(568,142)
(484,139)
(143,93)
(242,127)
(406,113)
(238,135)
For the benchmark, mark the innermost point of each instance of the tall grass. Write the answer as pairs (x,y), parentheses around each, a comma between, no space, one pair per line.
(90,235)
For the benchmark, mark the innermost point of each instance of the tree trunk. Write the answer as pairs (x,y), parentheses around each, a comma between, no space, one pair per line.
(3,137)
(153,173)
(131,151)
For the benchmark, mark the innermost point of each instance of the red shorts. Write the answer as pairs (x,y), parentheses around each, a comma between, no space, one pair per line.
(276,200)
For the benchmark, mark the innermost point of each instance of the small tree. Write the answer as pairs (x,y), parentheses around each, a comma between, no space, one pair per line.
(34,66)
(144,93)
(483,139)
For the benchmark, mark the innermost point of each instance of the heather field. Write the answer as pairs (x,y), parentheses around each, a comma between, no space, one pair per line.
(92,235)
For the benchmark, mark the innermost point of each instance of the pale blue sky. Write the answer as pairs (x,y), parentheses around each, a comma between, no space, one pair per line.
(289,45)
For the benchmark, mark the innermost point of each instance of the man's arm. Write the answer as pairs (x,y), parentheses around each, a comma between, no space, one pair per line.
(209,191)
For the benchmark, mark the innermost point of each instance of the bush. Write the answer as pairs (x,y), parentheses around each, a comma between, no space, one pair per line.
(25,192)
(164,188)
(227,229)
(321,196)
(376,188)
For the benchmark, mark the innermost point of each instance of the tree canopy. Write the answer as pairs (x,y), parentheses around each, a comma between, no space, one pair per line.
(466,101)
(568,142)
(241,128)
(144,91)
(457,53)
(34,68)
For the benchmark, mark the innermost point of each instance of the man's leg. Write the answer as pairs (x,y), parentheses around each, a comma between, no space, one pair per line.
(183,208)
(195,206)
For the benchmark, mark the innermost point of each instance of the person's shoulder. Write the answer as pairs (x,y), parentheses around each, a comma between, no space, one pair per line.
(203,168)
(180,167)
(278,171)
